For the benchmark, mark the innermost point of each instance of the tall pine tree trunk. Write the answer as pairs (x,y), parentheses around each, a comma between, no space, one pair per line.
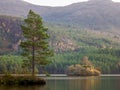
(33,60)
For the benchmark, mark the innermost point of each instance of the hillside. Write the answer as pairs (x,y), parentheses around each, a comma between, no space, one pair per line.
(19,8)
(77,30)
(94,14)
(10,33)
(70,45)
(63,38)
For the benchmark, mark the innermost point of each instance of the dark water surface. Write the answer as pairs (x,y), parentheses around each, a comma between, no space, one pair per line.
(74,83)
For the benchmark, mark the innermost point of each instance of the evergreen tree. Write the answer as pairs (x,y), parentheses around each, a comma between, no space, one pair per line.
(35,44)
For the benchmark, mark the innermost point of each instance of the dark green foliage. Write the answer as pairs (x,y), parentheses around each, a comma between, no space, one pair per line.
(106,60)
(35,45)
(11,64)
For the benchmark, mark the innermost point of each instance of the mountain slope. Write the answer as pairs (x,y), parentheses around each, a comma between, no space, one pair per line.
(19,8)
(62,38)
(71,27)
(94,14)
(10,33)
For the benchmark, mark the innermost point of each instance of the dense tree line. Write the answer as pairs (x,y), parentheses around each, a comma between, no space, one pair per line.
(11,64)
(106,60)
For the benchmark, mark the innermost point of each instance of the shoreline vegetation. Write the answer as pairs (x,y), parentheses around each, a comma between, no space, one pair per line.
(86,68)
(21,80)
(82,71)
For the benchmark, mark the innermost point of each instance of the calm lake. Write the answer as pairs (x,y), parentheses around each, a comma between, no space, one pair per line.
(75,83)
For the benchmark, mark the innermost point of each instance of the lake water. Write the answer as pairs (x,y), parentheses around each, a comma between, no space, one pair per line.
(75,83)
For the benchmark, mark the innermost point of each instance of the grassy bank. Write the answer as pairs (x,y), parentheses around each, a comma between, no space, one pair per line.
(21,80)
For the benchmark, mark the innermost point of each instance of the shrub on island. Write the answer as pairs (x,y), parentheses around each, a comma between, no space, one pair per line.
(84,69)
(79,70)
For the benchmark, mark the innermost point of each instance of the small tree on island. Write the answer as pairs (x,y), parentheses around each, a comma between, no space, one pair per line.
(86,61)
(35,44)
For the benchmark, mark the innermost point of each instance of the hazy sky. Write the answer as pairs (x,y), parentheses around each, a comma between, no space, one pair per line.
(56,2)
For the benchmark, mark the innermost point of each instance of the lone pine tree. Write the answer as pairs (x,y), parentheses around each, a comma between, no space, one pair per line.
(35,44)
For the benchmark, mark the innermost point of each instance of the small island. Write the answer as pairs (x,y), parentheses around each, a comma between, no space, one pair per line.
(9,80)
(86,68)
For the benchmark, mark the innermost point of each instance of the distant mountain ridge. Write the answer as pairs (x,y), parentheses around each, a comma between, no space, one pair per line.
(94,14)
(18,8)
